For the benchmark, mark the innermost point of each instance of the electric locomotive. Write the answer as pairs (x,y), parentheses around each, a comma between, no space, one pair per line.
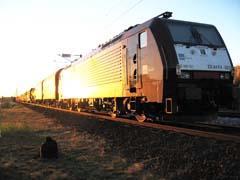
(162,66)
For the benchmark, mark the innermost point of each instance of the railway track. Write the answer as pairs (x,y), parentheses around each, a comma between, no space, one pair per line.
(220,132)
(216,128)
(229,114)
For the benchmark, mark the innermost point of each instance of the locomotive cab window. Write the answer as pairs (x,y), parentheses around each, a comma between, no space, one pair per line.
(192,34)
(143,39)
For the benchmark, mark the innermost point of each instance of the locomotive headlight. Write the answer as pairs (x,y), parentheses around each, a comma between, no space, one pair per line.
(185,75)
(178,69)
(227,76)
(233,72)
(222,76)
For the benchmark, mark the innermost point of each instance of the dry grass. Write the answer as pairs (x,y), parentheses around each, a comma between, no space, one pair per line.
(91,149)
(82,155)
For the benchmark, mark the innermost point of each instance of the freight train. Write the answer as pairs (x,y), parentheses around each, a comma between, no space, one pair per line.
(162,66)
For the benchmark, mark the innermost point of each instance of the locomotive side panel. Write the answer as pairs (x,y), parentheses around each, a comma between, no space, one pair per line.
(151,70)
(132,61)
(97,77)
(144,71)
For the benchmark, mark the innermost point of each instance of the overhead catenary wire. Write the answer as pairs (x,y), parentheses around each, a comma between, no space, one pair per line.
(112,7)
(108,26)
(124,13)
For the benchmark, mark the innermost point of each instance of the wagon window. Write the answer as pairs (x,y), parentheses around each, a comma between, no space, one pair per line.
(143,39)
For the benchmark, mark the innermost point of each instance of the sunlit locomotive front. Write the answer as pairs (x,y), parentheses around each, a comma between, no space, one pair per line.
(162,66)
(199,68)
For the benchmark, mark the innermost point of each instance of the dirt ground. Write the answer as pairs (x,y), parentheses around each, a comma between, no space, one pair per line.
(91,149)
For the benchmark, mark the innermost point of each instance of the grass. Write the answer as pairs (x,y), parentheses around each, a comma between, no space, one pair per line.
(8,123)
(81,154)
(1,116)
(14,128)
(7,104)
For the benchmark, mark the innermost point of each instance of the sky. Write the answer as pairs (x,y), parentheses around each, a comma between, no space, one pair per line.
(34,32)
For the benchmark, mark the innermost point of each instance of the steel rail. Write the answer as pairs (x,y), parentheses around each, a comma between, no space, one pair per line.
(183,130)
(229,113)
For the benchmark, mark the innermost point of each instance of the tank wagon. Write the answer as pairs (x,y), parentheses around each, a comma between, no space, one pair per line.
(25,97)
(162,66)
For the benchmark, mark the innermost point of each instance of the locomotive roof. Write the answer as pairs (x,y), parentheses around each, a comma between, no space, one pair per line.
(133,30)
(139,27)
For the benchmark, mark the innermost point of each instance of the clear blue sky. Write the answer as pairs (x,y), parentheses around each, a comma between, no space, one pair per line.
(32,32)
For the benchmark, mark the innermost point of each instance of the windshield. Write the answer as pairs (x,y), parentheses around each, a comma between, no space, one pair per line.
(194,34)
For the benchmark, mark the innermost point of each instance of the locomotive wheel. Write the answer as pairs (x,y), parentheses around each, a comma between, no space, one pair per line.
(126,107)
(140,118)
